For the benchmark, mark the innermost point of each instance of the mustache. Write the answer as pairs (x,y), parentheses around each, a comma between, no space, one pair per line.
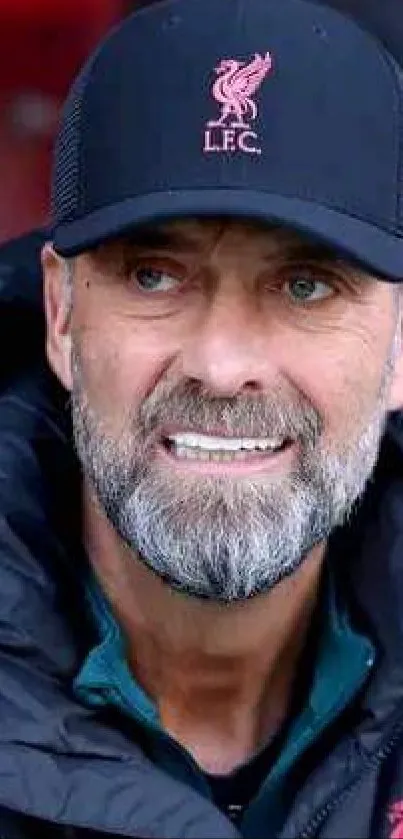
(280,413)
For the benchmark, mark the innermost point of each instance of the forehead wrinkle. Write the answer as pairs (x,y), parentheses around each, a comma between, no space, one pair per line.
(203,238)
(212,248)
(280,242)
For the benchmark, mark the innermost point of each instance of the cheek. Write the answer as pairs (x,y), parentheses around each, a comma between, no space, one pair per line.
(122,363)
(341,374)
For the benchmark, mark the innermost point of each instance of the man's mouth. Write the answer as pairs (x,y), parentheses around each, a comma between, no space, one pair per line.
(205,447)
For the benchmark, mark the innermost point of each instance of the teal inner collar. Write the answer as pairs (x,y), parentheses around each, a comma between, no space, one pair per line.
(343,660)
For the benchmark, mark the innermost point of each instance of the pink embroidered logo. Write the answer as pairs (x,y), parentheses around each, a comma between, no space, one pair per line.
(234,90)
(395,816)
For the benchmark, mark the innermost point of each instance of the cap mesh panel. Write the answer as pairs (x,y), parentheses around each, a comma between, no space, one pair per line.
(67,180)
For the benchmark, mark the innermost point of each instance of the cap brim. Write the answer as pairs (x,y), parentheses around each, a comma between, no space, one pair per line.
(377,250)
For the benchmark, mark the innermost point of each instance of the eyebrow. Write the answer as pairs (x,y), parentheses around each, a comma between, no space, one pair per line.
(159,239)
(323,255)
(313,251)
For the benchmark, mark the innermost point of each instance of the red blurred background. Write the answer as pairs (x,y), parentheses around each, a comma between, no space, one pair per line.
(42,45)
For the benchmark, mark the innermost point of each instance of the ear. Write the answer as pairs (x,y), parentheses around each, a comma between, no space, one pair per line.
(58,315)
(396,393)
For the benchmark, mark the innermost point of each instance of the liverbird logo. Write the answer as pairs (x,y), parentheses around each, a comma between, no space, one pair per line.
(234,90)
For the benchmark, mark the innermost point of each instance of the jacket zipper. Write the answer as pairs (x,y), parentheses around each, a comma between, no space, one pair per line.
(338,798)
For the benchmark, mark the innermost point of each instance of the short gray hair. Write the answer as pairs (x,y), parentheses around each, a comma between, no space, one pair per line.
(68,265)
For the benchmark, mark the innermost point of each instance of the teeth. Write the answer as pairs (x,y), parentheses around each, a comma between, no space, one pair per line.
(207,443)
(187,453)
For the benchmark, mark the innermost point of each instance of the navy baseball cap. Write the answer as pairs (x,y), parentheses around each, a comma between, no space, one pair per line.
(280,111)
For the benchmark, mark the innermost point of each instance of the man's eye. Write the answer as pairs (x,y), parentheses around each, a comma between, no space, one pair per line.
(303,289)
(153,279)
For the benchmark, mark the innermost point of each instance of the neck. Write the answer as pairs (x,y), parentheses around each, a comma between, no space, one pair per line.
(221,675)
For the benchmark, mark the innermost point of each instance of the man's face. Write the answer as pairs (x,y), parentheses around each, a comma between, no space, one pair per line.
(230,385)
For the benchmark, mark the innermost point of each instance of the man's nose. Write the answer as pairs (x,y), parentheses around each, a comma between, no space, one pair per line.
(228,351)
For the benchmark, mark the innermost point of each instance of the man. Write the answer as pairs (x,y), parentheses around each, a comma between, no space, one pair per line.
(201,631)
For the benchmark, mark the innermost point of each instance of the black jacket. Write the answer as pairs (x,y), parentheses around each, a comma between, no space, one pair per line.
(70,771)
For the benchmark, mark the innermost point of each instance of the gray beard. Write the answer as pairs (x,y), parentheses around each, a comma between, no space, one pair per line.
(224,539)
